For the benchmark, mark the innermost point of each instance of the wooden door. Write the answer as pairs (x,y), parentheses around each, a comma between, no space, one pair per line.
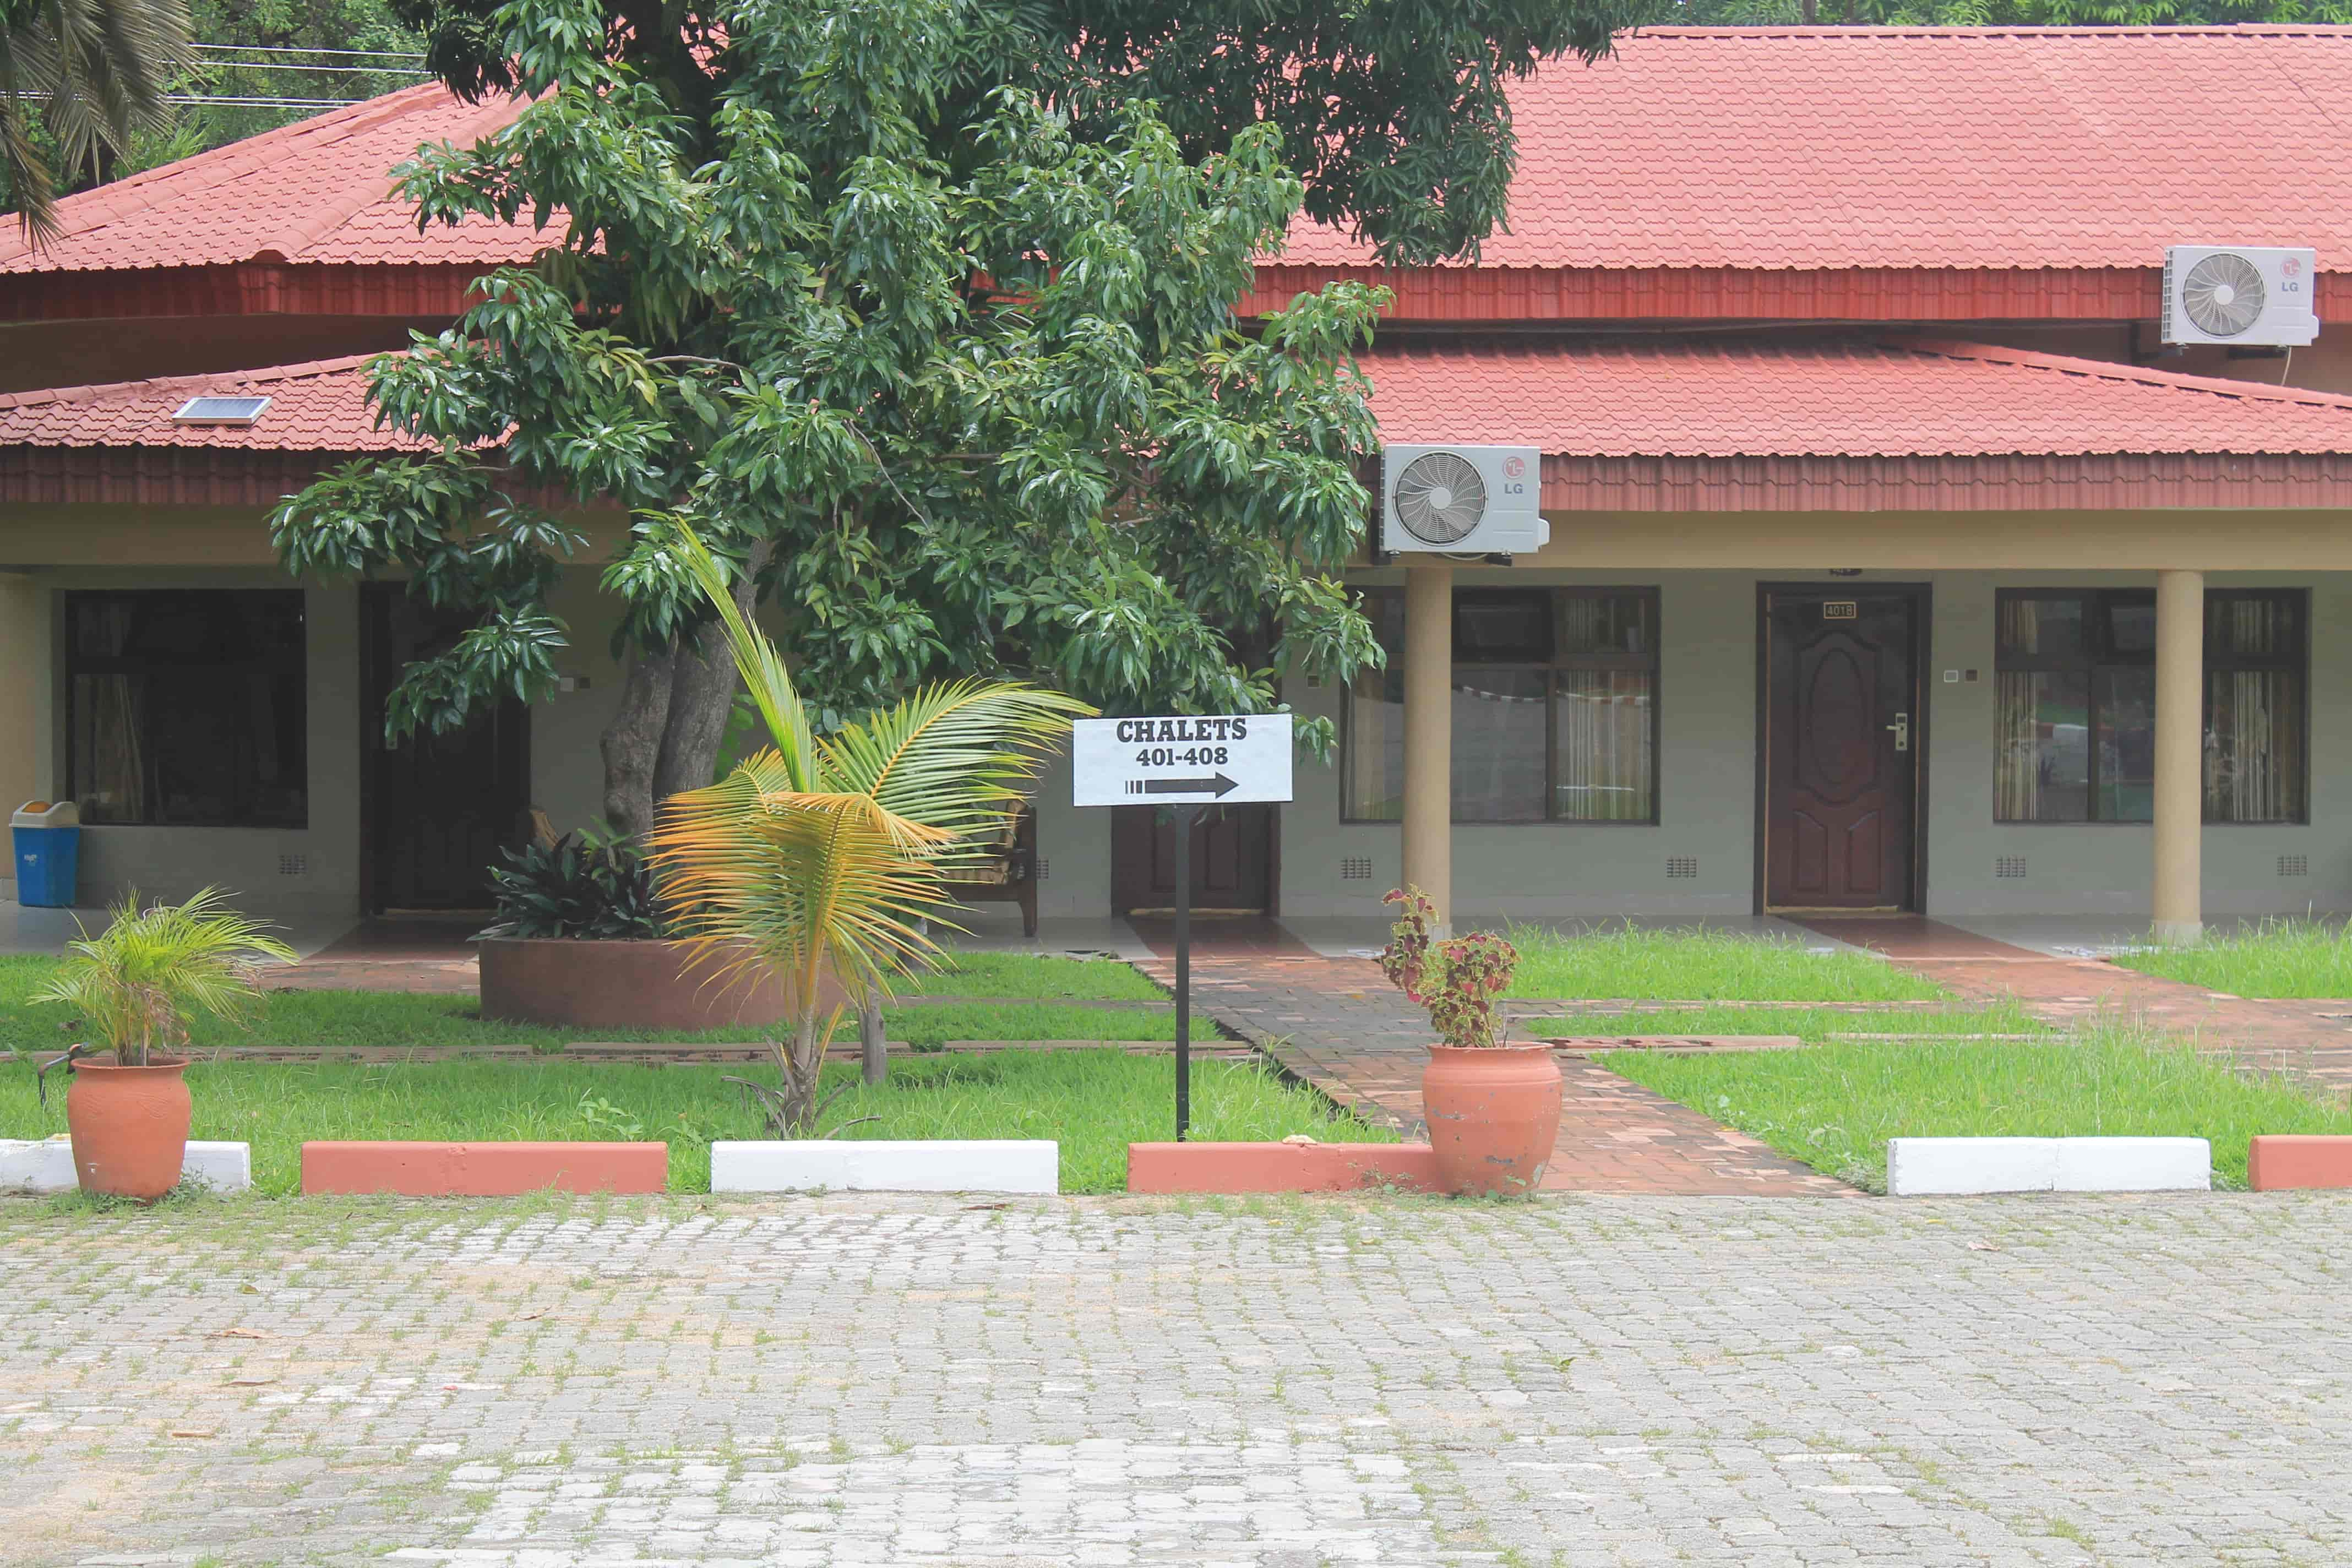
(1233,859)
(434,810)
(1841,745)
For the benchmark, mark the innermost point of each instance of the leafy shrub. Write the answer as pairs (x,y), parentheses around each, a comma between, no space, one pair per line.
(588,885)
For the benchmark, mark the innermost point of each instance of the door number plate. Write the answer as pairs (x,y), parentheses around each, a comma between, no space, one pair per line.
(1840,610)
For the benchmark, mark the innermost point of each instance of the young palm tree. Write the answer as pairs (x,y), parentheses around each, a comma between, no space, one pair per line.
(99,70)
(138,983)
(817,859)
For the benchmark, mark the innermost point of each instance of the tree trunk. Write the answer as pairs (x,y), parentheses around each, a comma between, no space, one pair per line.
(703,684)
(874,1048)
(632,742)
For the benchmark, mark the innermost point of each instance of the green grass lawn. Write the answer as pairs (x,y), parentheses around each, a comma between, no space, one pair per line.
(372,1018)
(1034,976)
(1809,1024)
(2276,958)
(1833,1106)
(1698,965)
(1094,1102)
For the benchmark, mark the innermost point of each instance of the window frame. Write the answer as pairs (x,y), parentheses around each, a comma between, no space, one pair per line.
(76,664)
(2100,656)
(1558,596)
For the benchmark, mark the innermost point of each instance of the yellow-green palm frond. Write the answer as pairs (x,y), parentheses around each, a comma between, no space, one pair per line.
(803,885)
(951,755)
(140,980)
(757,660)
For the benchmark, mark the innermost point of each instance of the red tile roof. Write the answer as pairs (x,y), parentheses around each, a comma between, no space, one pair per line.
(316,407)
(316,192)
(1925,147)
(1685,396)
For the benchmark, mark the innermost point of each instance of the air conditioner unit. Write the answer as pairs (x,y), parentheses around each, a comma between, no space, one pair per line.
(1469,501)
(2244,295)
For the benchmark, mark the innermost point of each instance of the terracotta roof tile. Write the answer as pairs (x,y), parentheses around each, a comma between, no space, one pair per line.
(1760,398)
(316,407)
(1925,147)
(319,191)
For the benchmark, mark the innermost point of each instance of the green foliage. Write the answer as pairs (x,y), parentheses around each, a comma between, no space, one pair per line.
(137,983)
(1457,981)
(588,885)
(79,79)
(2275,958)
(922,313)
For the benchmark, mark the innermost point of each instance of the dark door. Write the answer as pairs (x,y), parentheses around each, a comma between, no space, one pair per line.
(1233,859)
(1841,746)
(434,810)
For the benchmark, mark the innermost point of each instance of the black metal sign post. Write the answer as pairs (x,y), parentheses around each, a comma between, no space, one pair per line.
(1185,815)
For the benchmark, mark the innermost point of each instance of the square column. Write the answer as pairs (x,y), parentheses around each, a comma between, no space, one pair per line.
(2179,755)
(1429,732)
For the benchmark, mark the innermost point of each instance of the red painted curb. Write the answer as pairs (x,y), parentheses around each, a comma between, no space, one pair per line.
(1279,1167)
(2278,1160)
(483,1170)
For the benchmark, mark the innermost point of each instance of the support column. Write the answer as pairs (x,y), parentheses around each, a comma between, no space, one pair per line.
(1429,732)
(24,665)
(2179,755)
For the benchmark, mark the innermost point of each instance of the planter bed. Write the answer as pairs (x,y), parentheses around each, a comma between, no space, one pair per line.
(1194,1167)
(485,1170)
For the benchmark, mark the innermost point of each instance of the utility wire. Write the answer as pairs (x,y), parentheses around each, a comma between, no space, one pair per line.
(290,49)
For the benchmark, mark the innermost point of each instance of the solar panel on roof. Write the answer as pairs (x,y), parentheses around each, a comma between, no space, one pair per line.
(220,411)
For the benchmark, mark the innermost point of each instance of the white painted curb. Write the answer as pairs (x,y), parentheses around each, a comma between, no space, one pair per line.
(885,1166)
(1921,1167)
(45,1165)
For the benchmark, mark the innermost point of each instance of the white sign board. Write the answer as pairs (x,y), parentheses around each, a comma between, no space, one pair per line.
(1188,761)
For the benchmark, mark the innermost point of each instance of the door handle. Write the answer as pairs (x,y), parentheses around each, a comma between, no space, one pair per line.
(1901,730)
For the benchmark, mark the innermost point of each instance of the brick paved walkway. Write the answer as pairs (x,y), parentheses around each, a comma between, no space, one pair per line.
(1136,1383)
(409,956)
(1337,1024)
(2309,1039)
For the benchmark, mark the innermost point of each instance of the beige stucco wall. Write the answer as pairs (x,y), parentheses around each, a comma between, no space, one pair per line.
(1707,692)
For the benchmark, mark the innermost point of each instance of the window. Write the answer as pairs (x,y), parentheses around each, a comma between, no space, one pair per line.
(1555,708)
(187,707)
(2075,732)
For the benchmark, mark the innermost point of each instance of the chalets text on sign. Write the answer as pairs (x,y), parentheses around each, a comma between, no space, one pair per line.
(1180,759)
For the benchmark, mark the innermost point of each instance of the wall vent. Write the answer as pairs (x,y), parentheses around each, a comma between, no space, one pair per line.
(2009,865)
(293,866)
(1356,868)
(1045,867)
(2295,864)
(1682,865)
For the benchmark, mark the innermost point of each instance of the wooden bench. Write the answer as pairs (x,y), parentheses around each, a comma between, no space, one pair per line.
(1006,873)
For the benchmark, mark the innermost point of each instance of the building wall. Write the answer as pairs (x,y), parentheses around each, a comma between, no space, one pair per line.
(1707,690)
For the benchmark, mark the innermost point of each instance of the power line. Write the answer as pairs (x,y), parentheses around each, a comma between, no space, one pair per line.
(288,49)
(280,66)
(258,102)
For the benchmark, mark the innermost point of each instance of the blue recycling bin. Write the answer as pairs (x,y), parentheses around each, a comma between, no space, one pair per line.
(48,853)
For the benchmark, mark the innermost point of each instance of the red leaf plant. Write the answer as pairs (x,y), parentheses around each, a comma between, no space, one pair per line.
(1457,981)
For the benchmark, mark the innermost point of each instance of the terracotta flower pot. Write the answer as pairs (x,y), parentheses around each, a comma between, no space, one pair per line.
(129,1126)
(1494,1115)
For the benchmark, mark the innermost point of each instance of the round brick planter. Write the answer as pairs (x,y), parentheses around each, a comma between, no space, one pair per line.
(619,985)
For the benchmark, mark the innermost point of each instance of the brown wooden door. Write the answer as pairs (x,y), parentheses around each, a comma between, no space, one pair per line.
(434,810)
(1841,746)
(1233,859)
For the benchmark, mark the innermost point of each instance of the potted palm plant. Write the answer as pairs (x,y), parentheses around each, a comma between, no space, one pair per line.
(816,861)
(136,985)
(1492,1105)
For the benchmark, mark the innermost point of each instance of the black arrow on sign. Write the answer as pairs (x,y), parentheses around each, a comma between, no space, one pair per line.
(1219,786)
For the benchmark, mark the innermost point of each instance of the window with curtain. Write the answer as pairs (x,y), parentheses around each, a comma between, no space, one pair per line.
(2074,737)
(1555,708)
(187,707)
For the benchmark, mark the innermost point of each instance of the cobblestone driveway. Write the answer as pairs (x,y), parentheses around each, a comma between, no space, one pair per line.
(1597,1380)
